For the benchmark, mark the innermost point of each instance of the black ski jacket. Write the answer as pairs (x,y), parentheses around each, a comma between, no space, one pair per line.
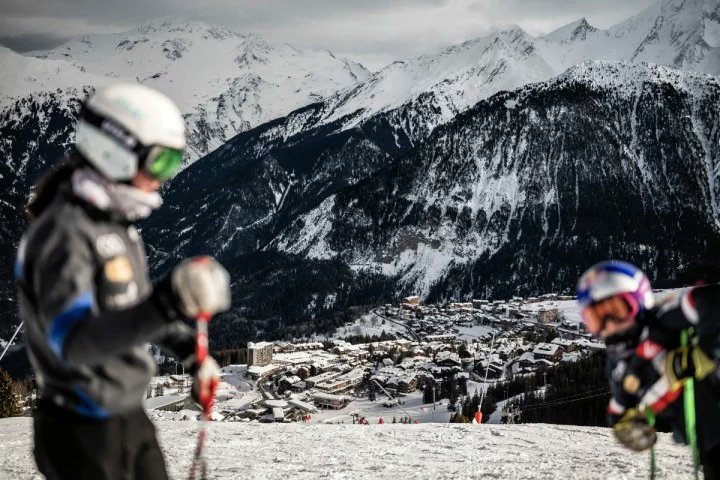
(636,367)
(89,309)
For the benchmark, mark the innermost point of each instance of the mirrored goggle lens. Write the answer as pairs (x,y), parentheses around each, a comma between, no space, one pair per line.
(164,163)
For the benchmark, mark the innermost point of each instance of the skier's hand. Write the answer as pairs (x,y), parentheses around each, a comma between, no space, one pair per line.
(687,362)
(201,285)
(206,377)
(633,431)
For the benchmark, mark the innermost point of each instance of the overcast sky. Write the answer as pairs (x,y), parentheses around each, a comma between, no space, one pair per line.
(374,32)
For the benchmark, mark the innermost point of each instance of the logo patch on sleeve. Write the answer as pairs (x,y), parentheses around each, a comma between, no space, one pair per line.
(631,384)
(119,270)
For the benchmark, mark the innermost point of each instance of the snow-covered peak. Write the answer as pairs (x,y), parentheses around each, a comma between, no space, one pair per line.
(678,33)
(179,26)
(224,81)
(628,78)
(21,76)
(461,74)
(577,30)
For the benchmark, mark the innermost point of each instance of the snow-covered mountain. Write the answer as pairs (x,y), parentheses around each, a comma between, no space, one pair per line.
(224,82)
(683,34)
(516,196)
(242,196)
(309,166)
(526,189)
(35,128)
(297,161)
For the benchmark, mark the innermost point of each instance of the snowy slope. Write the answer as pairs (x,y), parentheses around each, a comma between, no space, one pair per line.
(387,451)
(683,34)
(22,76)
(462,75)
(224,82)
(679,33)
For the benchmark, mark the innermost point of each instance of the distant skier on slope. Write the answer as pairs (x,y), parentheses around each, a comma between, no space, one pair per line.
(85,296)
(647,364)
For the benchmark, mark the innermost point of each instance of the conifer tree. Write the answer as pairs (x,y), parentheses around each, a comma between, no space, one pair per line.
(9,399)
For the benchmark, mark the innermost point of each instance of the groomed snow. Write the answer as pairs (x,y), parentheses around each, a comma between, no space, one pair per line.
(300,451)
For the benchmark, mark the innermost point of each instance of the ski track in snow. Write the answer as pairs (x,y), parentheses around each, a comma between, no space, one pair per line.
(299,451)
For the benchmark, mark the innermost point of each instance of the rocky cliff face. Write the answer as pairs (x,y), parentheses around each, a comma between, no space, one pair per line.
(235,200)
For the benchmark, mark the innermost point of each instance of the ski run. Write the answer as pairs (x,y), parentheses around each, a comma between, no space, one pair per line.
(452,451)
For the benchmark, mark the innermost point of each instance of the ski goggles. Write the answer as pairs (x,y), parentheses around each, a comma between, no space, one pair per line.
(611,315)
(163,162)
(159,161)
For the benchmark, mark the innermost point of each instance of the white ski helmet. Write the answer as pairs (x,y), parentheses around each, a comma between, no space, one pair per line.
(125,127)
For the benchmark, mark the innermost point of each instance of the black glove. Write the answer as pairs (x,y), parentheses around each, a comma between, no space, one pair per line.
(633,431)
(166,301)
(688,362)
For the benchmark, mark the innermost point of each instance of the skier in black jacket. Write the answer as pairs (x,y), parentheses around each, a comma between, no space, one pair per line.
(647,363)
(85,297)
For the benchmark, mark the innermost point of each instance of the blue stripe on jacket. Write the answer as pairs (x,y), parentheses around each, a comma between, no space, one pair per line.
(19,268)
(61,325)
(86,406)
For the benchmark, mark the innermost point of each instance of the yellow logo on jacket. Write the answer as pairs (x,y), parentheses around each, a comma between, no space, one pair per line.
(119,270)
(631,384)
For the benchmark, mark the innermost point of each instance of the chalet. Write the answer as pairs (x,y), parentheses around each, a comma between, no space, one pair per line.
(494,369)
(479,303)
(548,315)
(407,384)
(323,377)
(566,344)
(412,300)
(548,351)
(447,359)
(255,372)
(330,401)
(345,381)
(298,387)
(462,306)
(289,381)
(170,403)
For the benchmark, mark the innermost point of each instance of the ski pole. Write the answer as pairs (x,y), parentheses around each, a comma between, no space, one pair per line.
(689,409)
(206,394)
(650,415)
(7,347)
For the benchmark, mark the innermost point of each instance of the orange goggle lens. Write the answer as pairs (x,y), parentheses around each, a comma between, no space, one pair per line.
(616,309)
